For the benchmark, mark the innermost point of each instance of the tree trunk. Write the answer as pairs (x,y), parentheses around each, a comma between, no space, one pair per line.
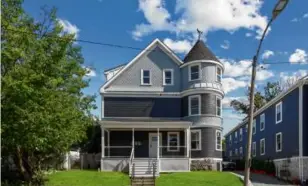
(20,165)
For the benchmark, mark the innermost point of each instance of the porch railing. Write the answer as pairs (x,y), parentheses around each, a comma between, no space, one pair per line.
(131,164)
(173,152)
(118,151)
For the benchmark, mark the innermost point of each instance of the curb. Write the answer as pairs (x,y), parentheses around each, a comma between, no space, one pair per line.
(242,178)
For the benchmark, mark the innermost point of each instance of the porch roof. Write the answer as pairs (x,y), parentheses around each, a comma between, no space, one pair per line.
(144,122)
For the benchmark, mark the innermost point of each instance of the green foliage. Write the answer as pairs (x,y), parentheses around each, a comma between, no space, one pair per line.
(43,108)
(271,90)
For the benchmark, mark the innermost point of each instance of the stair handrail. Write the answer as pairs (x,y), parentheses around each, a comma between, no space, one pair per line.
(131,165)
(154,172)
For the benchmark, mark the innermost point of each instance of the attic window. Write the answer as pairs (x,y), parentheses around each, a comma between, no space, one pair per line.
(145,77)
(194,72)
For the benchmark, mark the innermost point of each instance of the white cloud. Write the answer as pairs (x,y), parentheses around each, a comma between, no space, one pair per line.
(225,45)
(300,19)
(287,79)
(267,54)
(248,34)
(264,75)
(207,15)
(69,27)
(227,100)
(90,72)
(294,20)
(299,56)
(182,46)
(230,84)
(305,15)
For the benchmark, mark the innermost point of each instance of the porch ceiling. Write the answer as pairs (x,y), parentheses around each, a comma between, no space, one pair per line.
(144,123)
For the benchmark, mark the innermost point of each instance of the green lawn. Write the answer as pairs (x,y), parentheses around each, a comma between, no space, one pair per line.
(95,178)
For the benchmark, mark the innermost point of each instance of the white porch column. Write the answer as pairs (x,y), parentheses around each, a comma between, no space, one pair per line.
(133,140)
(108,144)
(187,136)
(103,147)
(158,143)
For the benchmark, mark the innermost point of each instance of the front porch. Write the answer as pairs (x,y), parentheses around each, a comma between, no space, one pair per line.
(127,142)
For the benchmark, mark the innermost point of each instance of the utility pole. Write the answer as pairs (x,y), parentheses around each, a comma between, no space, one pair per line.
(277,10)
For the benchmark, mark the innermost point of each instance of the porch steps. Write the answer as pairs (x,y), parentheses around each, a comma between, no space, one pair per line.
(144,168)
(143,181)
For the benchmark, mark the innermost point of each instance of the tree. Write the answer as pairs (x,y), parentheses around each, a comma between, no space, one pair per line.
(43,108)
(271,90)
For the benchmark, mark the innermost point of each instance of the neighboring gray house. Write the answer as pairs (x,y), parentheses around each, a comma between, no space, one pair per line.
(161,112)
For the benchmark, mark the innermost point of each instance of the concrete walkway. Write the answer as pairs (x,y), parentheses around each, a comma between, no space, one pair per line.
(263,180)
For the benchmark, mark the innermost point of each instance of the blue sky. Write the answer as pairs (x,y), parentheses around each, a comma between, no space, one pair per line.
(231,29)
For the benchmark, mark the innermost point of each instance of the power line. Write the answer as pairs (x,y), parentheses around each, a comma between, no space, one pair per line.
(279,63)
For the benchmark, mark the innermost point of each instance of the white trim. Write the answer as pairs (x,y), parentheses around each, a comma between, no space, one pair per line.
(241,134)
(217,67)
(199,147)
(164,76)
(300,130)
(302,81)
(199,105)
(279,105)
(219,106)
(201,90)
(177,139)
(218,131)
(215,159)
(102,107)
(254,126)
(149,48)
(142,76)
(144,124)
(204,61)
(263,139)
(189,72)
(254,149)
(278,150)
(262,117)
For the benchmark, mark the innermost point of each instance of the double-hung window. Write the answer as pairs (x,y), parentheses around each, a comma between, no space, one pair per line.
(236,152)
(262,146)
(173,141)
(218,74)
(194,72)
(278,142)
(241,151)
(230,139)
(195,139)
(254,149)
(194,106)
(254,127)
(218,140)
(262,122)
(279,112)
(230,153)
(145,77)
(235,136)
(241,134)
(168,77)
(218,106)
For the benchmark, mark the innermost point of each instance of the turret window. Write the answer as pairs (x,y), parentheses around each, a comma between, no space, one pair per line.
(218,74)
(194,72)
(194,105)
(218,106)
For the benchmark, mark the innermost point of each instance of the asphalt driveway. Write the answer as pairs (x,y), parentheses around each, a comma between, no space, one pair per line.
(263,180)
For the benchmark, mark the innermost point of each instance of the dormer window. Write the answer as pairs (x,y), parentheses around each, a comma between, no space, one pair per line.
(145,77)
(194,72)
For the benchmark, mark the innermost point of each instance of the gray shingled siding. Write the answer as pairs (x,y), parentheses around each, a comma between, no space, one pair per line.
(208,144)
(208,74)
(208,104)
(155,61)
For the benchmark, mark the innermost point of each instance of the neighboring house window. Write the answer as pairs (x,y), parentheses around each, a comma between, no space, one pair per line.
(278,142)
(262,146)
(218,74)
(230,139)
(194,105)
(218,140)
(241,134)
(173,141)
(196,140)
(246,127)
(241,150)
(145,77)
(262,122)
(235,136)
(254,127)
(279,112)
(236,152)
(194,72)
(168,77)
(254,149)
(230,153)
(218,106)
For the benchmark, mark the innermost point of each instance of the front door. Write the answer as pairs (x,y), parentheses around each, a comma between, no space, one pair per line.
(153,144)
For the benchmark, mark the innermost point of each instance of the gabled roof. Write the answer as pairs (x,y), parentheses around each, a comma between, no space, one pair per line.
(199,52)
(112,68)
(150,47)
